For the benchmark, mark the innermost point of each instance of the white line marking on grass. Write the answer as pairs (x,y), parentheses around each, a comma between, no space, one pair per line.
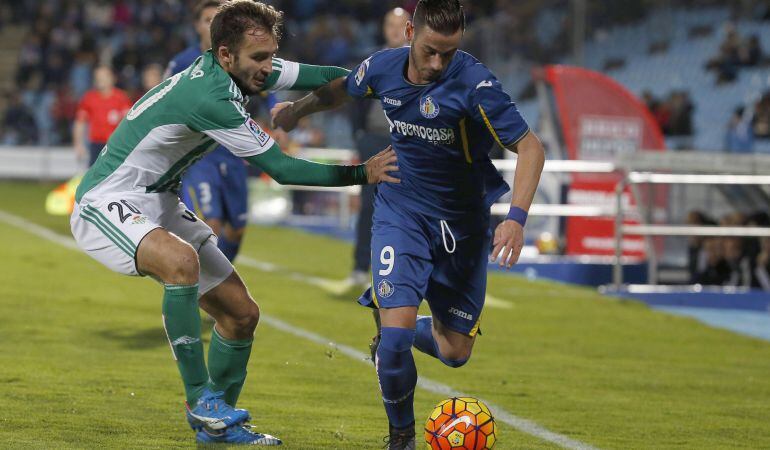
(37,230)
(501,415)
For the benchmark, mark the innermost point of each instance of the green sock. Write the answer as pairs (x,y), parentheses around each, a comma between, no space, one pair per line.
(183,328)
(227,365)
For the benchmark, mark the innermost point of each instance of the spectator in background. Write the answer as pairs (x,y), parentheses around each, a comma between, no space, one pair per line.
(740,134)
(713,270)
(738,262)
(762,266)
(695,252)
(752,245)
(726,62)
(750,53)
(152,75)
(18,126)
(663,116)
(760,123)
(63,111)
(650,101)
(101,110)
(371,133)
(681,108)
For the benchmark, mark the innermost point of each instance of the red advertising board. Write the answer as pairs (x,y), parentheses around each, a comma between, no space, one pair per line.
(599,119)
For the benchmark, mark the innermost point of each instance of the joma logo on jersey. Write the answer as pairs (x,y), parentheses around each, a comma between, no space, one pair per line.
(434,135)
(461,314)
(391,101)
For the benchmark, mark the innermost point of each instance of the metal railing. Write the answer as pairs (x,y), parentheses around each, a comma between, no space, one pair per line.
(634,179)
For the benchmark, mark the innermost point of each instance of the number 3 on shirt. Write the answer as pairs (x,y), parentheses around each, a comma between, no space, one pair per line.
(387,257)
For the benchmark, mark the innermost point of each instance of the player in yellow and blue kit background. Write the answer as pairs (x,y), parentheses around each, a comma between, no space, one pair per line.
(431,235)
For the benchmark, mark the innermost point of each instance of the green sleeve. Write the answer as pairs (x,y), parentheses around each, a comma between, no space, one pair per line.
(289,75)
(288,170)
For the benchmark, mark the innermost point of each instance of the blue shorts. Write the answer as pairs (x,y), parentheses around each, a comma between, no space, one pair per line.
(216,188)
(411,261)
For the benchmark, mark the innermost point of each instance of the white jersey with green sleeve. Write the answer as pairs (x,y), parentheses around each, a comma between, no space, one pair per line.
(175,124)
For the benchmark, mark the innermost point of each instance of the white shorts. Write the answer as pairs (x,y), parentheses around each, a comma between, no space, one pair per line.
(110,228)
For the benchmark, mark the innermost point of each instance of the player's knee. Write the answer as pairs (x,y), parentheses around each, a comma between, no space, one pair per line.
(455,358)
(233,234)
(248,321)
(183,266)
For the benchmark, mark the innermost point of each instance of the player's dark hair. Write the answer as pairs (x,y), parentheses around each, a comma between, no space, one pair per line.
(235,17)
(202,5)
(441,16)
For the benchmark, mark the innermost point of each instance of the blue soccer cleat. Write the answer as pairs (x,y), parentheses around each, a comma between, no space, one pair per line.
(239,434)
(211,412)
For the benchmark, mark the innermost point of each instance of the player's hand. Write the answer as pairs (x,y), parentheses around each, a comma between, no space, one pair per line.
(283,116)
(508,242)
(378,166)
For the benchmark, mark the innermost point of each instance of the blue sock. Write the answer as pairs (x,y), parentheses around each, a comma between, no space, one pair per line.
(229,248)
(397,374)
(423,339)
(424,342)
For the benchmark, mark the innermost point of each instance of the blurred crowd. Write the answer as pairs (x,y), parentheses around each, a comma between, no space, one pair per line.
(673,113)
(748,124)
(66,39)
(730,261)
(735,52)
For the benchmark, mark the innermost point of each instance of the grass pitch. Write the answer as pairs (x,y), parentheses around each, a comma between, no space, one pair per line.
(84,361)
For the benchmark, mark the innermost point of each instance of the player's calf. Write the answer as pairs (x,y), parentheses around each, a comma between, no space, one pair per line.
(397,374)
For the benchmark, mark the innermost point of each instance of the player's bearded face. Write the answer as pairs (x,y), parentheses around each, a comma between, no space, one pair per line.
(253,62)
(431,52)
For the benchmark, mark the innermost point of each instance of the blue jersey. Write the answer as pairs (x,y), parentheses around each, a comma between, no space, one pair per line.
(442,132)
(183,59)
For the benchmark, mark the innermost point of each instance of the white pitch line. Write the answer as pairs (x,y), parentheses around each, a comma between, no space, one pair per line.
(501,415)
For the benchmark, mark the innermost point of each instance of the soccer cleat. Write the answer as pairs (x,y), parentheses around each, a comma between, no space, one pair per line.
(239,434)
(213,413)
(376,339)
(400,438)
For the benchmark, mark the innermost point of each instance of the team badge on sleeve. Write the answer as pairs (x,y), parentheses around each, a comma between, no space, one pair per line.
(428,107)
(262,137)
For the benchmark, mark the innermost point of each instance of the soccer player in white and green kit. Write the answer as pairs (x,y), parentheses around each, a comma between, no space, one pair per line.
(129,218)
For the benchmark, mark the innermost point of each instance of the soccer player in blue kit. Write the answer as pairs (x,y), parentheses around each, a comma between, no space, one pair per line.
(431,235)
(215,187)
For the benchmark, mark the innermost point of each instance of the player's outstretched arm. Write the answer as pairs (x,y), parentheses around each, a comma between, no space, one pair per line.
(332,95)
(288,170)
(289,75)
(509,235)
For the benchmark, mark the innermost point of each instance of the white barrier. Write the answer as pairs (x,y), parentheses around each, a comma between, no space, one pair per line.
(633,179)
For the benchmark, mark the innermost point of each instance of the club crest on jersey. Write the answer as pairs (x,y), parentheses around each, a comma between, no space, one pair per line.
(262,137)
(138,219)
(428,107)
(385,289)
